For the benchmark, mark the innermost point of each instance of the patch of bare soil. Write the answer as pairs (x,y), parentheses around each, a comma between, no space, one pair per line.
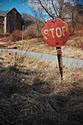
(31,93)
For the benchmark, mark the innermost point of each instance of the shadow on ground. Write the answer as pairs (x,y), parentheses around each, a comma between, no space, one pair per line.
(22,103)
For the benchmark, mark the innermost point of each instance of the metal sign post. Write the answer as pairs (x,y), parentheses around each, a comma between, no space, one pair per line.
(59,56)
(56,33)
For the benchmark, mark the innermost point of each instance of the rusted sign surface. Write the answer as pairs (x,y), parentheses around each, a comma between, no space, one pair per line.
(55,32)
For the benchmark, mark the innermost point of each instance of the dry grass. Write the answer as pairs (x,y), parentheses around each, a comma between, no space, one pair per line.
(31,93)
(73,48)
(69,50)
(48,72)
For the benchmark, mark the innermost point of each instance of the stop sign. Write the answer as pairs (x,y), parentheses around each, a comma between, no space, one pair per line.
(55,32)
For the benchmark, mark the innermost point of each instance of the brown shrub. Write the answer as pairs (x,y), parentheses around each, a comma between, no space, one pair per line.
(16,36)
(3,34)
(77,33)
(30,32)
(76,30)
(71,30)
(79,43)
(33,31)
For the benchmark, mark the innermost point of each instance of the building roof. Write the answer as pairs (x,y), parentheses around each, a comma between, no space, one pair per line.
(3,13)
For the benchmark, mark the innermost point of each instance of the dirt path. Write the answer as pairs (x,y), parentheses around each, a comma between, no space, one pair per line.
(68,62)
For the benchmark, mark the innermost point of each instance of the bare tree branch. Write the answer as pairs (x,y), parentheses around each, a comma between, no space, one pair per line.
(54,7)
(61,7)
(45,9)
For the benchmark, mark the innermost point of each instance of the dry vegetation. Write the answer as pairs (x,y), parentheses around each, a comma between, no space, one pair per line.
(69,50)
(31,93)
(73,48)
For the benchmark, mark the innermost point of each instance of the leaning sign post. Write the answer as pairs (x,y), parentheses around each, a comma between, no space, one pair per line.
(55,33)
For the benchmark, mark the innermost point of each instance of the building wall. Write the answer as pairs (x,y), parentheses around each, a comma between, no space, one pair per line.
(13,21)
(1,24)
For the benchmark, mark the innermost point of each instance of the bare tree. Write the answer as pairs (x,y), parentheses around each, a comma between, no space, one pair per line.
(39,19)
(53,8)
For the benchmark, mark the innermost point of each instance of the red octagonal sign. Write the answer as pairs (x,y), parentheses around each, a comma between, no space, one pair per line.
(55,32)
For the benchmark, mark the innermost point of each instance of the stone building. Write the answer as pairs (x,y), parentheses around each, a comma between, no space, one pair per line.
(10,21)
